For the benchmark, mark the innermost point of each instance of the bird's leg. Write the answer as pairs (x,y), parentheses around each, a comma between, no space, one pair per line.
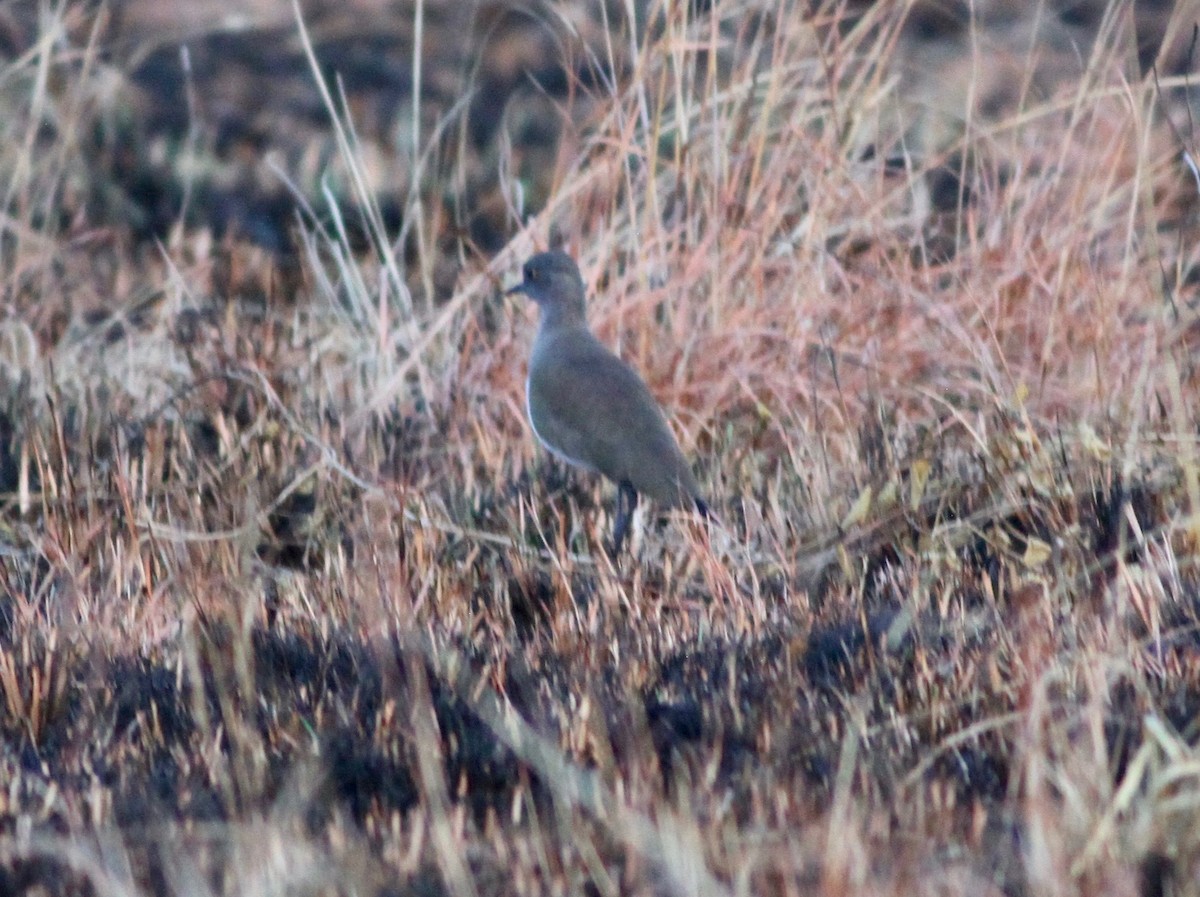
(626,503)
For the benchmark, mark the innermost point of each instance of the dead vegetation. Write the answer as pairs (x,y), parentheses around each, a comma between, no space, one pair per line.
(289,603)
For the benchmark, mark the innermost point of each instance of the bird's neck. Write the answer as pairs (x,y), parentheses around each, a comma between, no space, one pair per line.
(556,318)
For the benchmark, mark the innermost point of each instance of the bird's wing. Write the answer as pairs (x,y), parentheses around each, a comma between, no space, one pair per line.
(622,429)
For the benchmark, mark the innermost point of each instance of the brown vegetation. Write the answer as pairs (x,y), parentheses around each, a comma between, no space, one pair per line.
(290,603)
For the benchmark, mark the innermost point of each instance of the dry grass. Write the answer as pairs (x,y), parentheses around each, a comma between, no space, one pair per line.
(289,603)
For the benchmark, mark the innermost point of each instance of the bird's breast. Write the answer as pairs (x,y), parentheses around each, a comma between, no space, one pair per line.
(544,429)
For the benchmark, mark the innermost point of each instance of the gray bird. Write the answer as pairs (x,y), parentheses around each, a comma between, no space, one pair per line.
(592,409)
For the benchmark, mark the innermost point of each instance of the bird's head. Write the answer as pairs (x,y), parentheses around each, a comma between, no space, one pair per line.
(551,279)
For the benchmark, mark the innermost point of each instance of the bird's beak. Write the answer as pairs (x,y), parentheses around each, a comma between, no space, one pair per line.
(512,291)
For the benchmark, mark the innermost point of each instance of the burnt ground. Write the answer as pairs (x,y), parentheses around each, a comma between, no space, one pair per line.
(326,705)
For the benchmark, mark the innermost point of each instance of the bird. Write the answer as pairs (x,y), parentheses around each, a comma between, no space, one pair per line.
(590,408)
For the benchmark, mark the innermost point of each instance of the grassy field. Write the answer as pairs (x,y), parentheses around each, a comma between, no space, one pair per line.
(291,602)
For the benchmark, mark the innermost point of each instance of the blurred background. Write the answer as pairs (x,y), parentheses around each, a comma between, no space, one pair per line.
(208,114)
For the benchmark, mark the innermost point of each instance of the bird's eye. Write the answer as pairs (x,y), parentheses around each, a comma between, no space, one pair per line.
(531,274)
